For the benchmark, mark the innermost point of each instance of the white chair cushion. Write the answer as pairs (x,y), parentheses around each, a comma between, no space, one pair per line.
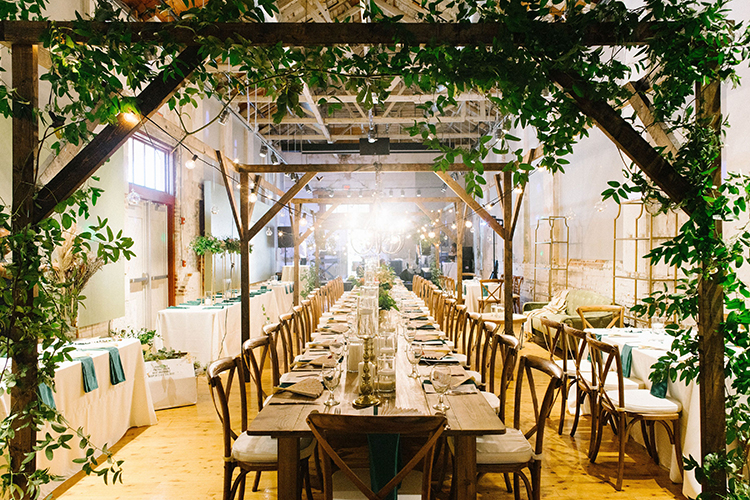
(475,376)
(642,401)
(492,400)
(509,448)
(264,449)
(629,384)
(344,489)
(571,366)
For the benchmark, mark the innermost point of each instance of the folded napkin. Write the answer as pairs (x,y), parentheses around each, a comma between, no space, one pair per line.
(626,356)
(309,388)
(421,317)
(178,307)
(384,461)
(659,389)
(116,373)
(427,337)
(46,395)
(214,307)
(427,327)
(89,374)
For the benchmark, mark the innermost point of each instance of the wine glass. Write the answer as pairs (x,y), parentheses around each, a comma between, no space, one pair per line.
(337,350)
(331,377)
(440,376)
(410,333)
(414,354)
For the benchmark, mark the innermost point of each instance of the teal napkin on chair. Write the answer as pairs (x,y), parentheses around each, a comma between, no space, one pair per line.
(89,374)
(659,389)
(626,357)
(384,457)
(46,395)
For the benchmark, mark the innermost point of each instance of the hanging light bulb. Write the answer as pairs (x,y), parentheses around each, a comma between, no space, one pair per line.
(251,185)
(131,118)
(303,220)
(269,231)
(453,226)
(133,198)
(263,151)
(431,234)
(252,198)
(490,205)
(215,210)
(190,164)
(468,224)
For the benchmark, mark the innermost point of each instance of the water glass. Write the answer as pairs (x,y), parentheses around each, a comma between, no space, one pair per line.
(440,377)
(414,354)
(331,377)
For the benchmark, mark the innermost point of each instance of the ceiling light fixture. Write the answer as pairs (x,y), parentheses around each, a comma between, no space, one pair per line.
(275,159)
(224,117)
(419,193)
(263,151)
(402,193)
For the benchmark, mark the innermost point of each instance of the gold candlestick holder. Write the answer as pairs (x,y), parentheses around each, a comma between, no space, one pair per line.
(366,397)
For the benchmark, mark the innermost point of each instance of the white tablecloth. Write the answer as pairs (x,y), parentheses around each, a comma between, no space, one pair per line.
(209,333)
(287,273)
(648,347)
(283,292)
(105,413)
(449,269)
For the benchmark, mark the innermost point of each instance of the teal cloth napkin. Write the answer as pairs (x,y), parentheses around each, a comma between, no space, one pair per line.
(659,389)
(46,395)
(426,327)
(384,458)
(116,373)
(89,374)
(214,307)
(626,357)
(178,307)
(420,318)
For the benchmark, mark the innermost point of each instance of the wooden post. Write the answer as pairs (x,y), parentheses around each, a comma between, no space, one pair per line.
(245,255)
(507,201)
(294,210)
(25,366)
(460,251)
(710,334)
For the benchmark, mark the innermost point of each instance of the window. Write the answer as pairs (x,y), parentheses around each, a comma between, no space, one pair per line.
(150,165)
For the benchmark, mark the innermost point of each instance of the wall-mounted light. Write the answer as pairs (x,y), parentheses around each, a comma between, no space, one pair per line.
(190,164)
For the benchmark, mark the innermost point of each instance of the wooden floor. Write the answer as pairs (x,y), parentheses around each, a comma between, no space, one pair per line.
(180,458)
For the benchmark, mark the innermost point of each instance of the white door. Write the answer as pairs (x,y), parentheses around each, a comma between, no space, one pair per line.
(146,224)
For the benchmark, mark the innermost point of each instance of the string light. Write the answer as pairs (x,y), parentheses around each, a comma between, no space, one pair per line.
(190,164)
(252,198)
(468,224)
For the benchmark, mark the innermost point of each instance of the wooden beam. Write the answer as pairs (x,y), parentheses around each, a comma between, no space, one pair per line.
(471,202)
(255,189)
(245,256)
(326,34)
(276,208)
(508,254)
(711,376)
(645,112)
(369,200)
(294,215)
(96,152)
(320,219)
(399,97)
(25,357)
(629,140)
(316,112)
(360,167)
(230,192)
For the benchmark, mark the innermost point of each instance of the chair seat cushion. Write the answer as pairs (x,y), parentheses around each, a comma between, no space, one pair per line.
(492,400)
(509,448)
(475,376)
(641,401)
(630,384)
(344,489)
(571,366)
(264,449)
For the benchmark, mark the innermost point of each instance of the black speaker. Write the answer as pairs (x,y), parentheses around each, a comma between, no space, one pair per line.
(285,237)
(468,260)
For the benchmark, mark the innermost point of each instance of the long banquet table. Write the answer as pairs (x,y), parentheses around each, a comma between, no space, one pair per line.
(210,332)
(105,413)
(648,346)
(468,417)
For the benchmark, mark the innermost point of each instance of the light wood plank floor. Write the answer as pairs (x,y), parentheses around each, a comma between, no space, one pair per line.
(180,458)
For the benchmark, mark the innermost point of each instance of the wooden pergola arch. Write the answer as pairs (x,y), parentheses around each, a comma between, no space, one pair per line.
(30,206)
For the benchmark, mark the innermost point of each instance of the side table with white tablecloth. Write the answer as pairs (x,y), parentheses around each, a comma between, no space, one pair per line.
(105,413)
(648,347)
(283,292)
(287,272)
(449,269)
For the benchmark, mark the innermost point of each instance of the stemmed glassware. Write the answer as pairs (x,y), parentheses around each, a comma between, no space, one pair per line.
(414,354)
(440,377)
(337,350)
(331,377)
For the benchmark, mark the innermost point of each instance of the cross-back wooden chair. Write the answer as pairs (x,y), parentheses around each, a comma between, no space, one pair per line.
(491,293)
(517,282)
(457,326)
(242,452)
(618,315)
(563,353)
(300,326)
(629,407)
(450,304)
(428,428)
(512,453)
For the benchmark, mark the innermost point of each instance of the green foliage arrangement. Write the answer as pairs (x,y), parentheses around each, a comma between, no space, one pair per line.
(545,72)
(386,279)
(202,245)
(310,280)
